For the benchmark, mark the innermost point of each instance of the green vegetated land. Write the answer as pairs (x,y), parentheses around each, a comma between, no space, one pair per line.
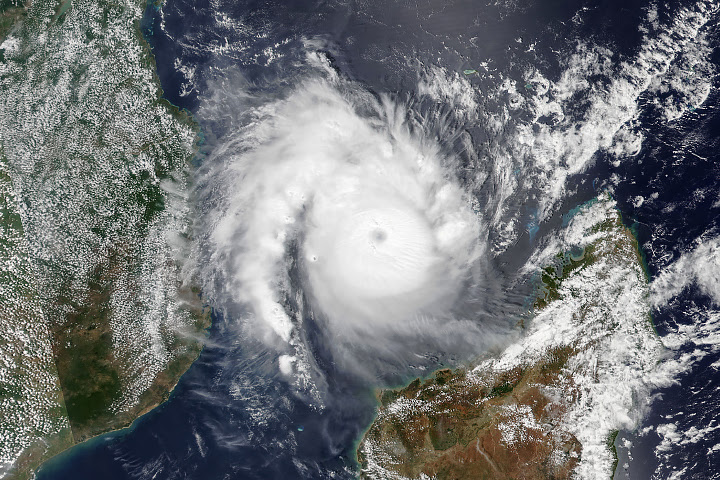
(96,327)
(31,403)
(90,368)
(498,421)
(11,11)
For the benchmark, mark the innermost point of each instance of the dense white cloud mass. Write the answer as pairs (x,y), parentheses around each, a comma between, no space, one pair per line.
(333,181)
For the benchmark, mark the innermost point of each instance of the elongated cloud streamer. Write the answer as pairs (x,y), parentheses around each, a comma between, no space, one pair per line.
(383,234)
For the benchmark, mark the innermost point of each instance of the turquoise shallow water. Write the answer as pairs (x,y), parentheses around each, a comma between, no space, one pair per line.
(232,416)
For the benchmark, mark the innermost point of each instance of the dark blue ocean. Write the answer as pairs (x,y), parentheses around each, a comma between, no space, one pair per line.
(231,416)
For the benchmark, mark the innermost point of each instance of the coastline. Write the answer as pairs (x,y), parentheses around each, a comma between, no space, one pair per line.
(185,343)
(425,403)
(56,460)
(28,467)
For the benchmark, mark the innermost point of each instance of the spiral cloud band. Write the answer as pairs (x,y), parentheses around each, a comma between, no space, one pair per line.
(383,233)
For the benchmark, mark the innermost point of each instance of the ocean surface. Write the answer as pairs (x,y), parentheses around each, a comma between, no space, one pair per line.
(235,416)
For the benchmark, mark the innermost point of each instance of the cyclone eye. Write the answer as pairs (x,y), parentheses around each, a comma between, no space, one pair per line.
(378,235)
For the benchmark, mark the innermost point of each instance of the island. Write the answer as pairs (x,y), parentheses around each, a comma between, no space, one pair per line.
(551,404)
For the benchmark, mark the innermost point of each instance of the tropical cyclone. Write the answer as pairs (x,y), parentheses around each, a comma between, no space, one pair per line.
(384,233)
(95,324)
(549,405)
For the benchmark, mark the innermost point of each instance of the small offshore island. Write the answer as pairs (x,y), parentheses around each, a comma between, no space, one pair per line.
(550,406)
(96,324)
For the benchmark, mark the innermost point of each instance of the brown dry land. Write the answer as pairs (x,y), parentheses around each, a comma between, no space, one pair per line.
(463,438)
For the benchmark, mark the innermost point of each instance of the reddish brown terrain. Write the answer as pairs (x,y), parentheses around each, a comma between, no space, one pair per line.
(547,406)
(465,434)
